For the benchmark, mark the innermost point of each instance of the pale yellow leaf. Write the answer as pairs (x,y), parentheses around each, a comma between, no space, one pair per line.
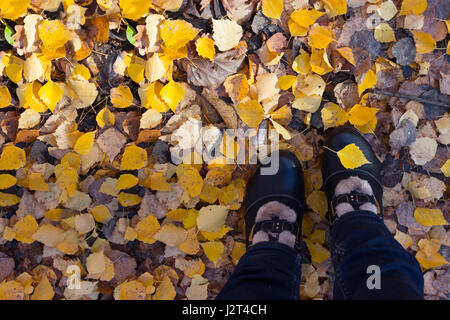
(227,34)
(211,218)
(171,235)
(121,97)
(213,250)
(85,143)
(251,112)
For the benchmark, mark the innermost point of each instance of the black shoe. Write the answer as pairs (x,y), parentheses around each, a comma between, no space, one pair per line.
(285,186)
(333,171)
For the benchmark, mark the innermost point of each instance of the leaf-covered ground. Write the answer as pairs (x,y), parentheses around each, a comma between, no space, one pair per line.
(96,95)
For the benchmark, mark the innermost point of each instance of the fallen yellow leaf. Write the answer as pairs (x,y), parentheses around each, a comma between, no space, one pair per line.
(352,157)
(213,250)
(121,97)
(205,48)
(172,93)
(429,217)
(272,8)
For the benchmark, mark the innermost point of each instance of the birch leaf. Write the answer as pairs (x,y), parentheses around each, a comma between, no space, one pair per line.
(429,217)
(227,34)
(272,8)
(352,157)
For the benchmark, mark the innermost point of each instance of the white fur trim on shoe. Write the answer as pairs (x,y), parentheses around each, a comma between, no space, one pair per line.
(354,184)
(287,238)
(369,207)
(274,209)
(260,236)
(342,208)
(271,210)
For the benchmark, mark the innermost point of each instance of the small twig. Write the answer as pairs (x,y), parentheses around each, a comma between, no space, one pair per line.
(69,61)
(404,96)
(192,62)
(329,149)
(101,53)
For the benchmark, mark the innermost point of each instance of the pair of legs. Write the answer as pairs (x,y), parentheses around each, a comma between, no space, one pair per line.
(368,262)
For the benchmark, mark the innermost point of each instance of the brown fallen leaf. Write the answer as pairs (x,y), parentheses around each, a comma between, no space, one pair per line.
(205,73)
(227,112)
(111,142)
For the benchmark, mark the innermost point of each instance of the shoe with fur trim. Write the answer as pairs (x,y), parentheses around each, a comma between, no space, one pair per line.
(351,189)
(274,202)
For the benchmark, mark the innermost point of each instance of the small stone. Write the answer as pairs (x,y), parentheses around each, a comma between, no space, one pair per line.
(404,135)
(365,39)
(404,51)
(39,151)
(161,152)
(272,29)
(259,22)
